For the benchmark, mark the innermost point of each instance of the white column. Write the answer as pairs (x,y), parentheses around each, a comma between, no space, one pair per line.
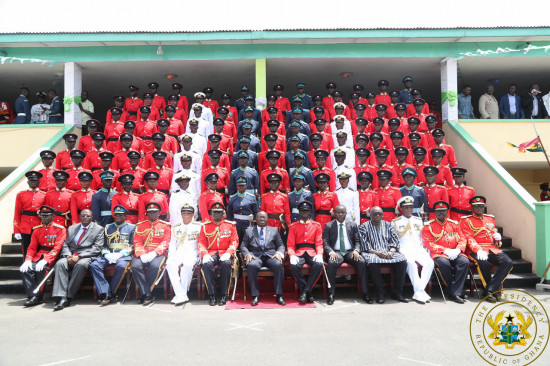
(73,87)
(449,83)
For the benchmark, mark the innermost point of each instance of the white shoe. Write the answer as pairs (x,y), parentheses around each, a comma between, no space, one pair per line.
(418,297)
(174,300)
(426,297)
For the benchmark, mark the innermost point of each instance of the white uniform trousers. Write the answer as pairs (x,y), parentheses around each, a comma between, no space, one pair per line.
(421,257)
(181,279)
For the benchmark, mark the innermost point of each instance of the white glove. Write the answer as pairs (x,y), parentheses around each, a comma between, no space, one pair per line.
(41,265)
(225,257)
(496,236)
(452,253)
(318,258)
(294,260)
(109,257)
(17,236)
(448,252)
(207,258)
(482,255)
(146,258)
(25,266)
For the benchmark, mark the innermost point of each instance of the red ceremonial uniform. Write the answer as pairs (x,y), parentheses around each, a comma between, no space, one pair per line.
(176,127)
(60,200)
(449,159)
(435,193)
(265,118)
(283,104)
(218,237)
(444,176)
(212,104)
(393,180)
(149,163)
(46,243)
(113,130)
(313,161)
(151,237)
(183,104)
(232,116)
(152,196)
(328,102)
(367,200)
(332,182)
(206,200)
(370,112)
(276,204)
(223,177)
(123,117)
(229,129)
(224,160)
(325,203)
(397,170)
(392,159)
(165,178)
(121,160)
(459,200)
(226,146)
(132,106)
(86,144)
(92,161)
(128,200)
(6,112)
(285,183)
(158,102)
(170,144)
(263,163)
(387,200)
(138,173)
(411,110)
(145,128)
(73,183)
(63,160)
(438,236)
(47,182)
(420,177)
(280,145)
(479,233)
(25,216)
(382,98)
(154,116)
(80,200)
(422,127)
(300,233)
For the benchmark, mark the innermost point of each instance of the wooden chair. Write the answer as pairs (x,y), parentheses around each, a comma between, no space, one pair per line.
(163,284)
(306,269)
(473,285)
(348,269)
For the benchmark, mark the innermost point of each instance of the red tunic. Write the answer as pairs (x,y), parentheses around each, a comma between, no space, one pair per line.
(218,237)
(183,104)
(151,237)
(92,160)
(158,102)
(149,163)
(113,130)
(263,163)
(47,182)
(130,201)
(387,199)
(459,200)
(132,106)
(80,200)
(73,183)
(46,243)
(212,104)
(280,145)
(382,98)
(285,183)
(479,233)
(444,176)
(60,200)
(96,182)
(435,193)
(123,117)
(283,104)
(152,196)
(138,173)
(121,160)
(165,179)
(325,203)
(332,182)
(313,161)
(367,200)
(223,177)
(224,160)
(63,160)
(27,204)
(300,233)
(438,236)
(206,200)
(86,144)
(276,204)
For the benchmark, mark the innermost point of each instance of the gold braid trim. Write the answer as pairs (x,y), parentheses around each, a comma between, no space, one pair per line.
(479,230)
(402,233)
(215,235)
(149,233)
(437,237)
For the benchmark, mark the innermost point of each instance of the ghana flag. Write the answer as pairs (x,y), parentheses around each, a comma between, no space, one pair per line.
(531,146)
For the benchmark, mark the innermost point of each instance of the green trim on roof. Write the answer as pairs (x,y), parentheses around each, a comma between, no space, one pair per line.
(294,34)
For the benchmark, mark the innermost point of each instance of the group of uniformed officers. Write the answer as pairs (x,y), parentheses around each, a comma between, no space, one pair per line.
(311,181)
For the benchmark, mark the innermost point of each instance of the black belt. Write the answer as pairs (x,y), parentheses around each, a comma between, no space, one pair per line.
(457,210)
(94,169)
(305,245)
(146,138)
(132,212)
(364,216)
(29,213)
(59,213)
(220,190)
(112,139)
(132,113)
(440,184)
(138,191)
(45,248)
(388,209)
(174,136)
(165,191)
(163,217)
(322,212)
(274,217)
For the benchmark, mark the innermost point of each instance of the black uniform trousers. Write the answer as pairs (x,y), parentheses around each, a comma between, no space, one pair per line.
(504,266)
(400,271)
(254,267)
(209,272)
(360,266)
(242,225)
(25,242)
(453,273)
(314,273)
(146,274)
(32,278)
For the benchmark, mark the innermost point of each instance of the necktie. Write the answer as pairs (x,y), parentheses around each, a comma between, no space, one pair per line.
(342,243)
(79,240)
(262,241)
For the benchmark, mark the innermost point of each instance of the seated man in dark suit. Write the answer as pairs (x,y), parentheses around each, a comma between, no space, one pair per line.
(342,244)
(262,246)
(83,244)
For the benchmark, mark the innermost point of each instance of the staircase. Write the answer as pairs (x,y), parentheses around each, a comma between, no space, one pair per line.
(11,258)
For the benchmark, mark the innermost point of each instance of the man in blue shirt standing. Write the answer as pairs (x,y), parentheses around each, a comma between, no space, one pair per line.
(465,108)
(405,94)
(22,108)
(56,107)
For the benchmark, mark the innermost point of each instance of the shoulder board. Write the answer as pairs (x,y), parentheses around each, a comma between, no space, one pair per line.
(429,222)
(248,193)
(396,219)
(206,222)
(58,226)
(36,227)
(233,195)
(231,222)
(141,222)
(489,215)
(338,189)
(178,224)
(466,216)
(165,222)
(234,170)
(453,221)
(351,189)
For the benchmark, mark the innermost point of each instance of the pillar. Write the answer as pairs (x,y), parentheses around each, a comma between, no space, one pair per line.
(449,107)
(542,216)
(73,88)
(261,83)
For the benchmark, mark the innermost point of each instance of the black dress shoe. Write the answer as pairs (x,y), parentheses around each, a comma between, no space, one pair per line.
(399,298)
(456,299)
(310,298)
(107,299)
(223,300)
(489,298)
(280,300)
(148,299)
(33,301)
(380,300)
(255,300)
(212,301)
(367,299)
(61,304)
(330,299)
(303,298)
(140,299)
(100,298)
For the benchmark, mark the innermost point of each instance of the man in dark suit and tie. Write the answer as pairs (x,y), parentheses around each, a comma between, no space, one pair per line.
(262,246)
(83,244)
(342,244)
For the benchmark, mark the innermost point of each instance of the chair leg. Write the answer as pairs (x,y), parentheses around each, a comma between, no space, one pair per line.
(475,284)
(245,277)
(440,287)
(324,284)
(165,287)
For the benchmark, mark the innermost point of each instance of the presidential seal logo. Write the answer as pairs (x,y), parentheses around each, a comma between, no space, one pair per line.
(513,331)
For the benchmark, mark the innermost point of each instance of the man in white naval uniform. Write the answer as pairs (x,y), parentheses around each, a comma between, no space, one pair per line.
(349,161)
(194,154)
(194,185)
(181,196)
(340,166)
(183,252)
(409,230)
(349,198)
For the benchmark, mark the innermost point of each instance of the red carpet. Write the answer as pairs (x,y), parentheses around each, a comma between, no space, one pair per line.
(266,302)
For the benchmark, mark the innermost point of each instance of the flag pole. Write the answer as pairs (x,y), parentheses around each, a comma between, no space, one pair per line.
(540,140)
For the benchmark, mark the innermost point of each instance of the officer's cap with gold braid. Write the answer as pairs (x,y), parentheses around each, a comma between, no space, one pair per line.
(441,205)
(241,181)
(217,206)
(478,200)
(185,156)
(187,208)
(119,209)
(182,177)
(152,206)
(405,201)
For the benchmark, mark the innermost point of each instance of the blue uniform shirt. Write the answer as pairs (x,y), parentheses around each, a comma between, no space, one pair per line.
(294,198)
(309,184)
(56,111)
(257,116)
(419,196)
(304,143)
(252,179)
(22,110)
(405,97)
(252,159)
(304,129)
(240,207)
(256,127)
(289,159)
(239,104)
(119,238)
(307,101)
(101,206)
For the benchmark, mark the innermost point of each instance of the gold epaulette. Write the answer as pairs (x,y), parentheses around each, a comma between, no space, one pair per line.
(59,226)
(493,216)
(165,222)
(453,221)
(396,219)
(178,224)
(430,221)
(36,227)
(463,217)
(141,222)
(231,222)
(206,222)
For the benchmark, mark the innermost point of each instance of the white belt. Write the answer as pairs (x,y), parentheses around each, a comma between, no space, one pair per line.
(295,210)
(55,115)
(105,213)
(21,114)
(241,217)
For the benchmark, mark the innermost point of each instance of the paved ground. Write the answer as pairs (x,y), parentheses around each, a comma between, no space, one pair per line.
(346,333)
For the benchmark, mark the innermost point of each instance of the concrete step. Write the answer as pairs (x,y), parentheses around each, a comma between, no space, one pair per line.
(11,287)
(521,280)
(9,272)
(506,242)
(11,259)
(512,252)
(522,266)
(11,248)
(500,230)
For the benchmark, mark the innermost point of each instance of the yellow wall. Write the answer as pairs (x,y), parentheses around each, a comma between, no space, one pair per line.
(530,179)
(18,143)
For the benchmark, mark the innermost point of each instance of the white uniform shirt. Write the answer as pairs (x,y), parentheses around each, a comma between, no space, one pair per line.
(350,198)
(350,156)
(345,169)
(409,231)
(194,184)
(206,113)
(177,200)
(199,142)
(196,160)
(205,127)
(184,240)
(38,113)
